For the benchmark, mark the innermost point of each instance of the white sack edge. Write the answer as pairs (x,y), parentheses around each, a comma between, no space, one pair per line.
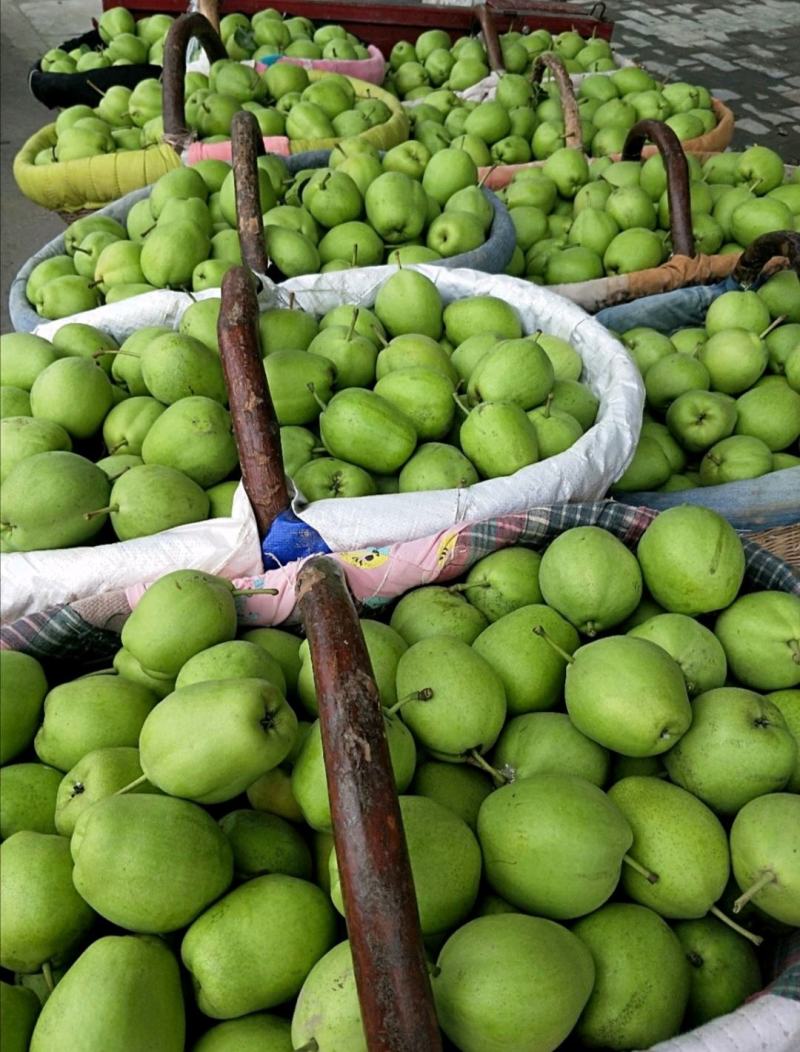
(769,1024)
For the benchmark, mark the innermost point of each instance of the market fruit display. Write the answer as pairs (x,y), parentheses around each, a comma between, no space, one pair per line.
(123,42)
(268,35)
(614,868)
(131,440)
(578,219)
(284,100)
(722,402)
(435,61)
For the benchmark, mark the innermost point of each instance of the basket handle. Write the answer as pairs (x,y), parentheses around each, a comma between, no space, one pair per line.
(210,10)
(759,252)
(380,905)
(255,426)
(493,50)
(573,137)
(176,132)
(246,146)
(669,146)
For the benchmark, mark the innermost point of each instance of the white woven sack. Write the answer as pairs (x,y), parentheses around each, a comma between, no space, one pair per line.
(769,1024)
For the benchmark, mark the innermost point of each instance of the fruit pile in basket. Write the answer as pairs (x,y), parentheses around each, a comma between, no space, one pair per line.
(723,400)
(598,756)
(139,436)
(124,42)
(267,34)
(577,221)
(434,61)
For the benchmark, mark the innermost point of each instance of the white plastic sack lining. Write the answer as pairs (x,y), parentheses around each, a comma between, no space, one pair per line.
(768,1024)
(583,472)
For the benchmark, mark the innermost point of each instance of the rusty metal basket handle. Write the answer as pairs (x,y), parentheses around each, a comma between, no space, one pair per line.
(669,146)
(246,146)
(573,136)
(763,249)
(176,131)
(255,425)
(392,979)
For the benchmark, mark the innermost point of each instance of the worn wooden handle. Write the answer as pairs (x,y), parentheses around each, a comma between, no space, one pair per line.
(176,131)
(255,426)
(573,136)
(246,146)
(778,243)
(669,146)
(493,50)
(380,906)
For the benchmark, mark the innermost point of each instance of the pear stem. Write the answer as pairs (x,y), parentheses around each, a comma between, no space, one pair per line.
(539,630)
(355,258)
(416,695)
(99,91)
(354,322)
(460,404)
(767,877)
(309,1046)
(648,874)
(100,511)
(47,972)
(773,325)
(312,387)
(476,760)
(255,591)
(113,449)
(750,936)
(465,587)
(486,175)
(548,403)
(131,785)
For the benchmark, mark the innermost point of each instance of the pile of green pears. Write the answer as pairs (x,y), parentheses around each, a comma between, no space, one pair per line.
(597,756)
(723,401)
(519,125)
(434,61)
(283,100)
(125,42)
(577,220)
(368,401)
(362,209)
(268,33)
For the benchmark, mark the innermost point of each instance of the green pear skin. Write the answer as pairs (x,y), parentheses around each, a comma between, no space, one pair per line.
(98,774)
(137,1003)
(22,691)
(460,788)
(149,863)
(541,742)
(28,798)
(236,659)
(765,845)
(259,1032)
(280,924)
(724,968)
(327,1009)
(18,1011)
(264,843)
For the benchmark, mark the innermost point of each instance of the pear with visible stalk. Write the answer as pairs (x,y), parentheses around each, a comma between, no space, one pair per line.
(724,968)
(765,846)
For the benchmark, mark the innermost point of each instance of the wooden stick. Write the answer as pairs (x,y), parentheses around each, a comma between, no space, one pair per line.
(176,131)
(246,144)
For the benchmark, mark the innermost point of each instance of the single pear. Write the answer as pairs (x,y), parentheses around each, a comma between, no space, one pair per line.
(22,691)
(28,798)
(435,610)
(149,498)
(98,774)
(264,843)
(724,968)
(760,633)
(765,845)
(695,647)
(283,646)
(18,1011)
(504,581)
(259,1032)
(456,786)
(236,659)
(327,1013)
(548,742)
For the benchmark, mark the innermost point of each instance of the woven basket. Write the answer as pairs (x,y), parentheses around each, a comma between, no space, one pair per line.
(783,541)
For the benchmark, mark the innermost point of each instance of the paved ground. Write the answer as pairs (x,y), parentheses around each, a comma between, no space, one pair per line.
(746,53)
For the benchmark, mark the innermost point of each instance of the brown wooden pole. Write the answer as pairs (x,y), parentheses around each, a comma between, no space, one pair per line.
(246,145)
(380,906)
(669,146)
(176,131)
(493,50)
(255,426)
(573,134)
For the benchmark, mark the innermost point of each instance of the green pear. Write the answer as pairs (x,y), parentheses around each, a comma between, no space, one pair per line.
(760,634)
(679,840)
(628,695)
(308,782)
(695,648)
(43,916)
(176,366)
(738,747)
(516,371)
(547,742)
(788,701)
(22,437)
(649,469)
(98,774)
(272,793)
(61,297)
(724,968)
(126,369)
(294,378)
(329,478)
(193,435)
(126,425)
(765,842)
(259,1032)
(125,844)
(236,659)
(455,786)
(14,401)
(182,613)
(181,184)
(353,356)
(466,317)
(220,498)
(482,974)
(504,581)
(126,665)
(352,421)
(642,986)
(139,1001)
(297,448)
(436,465)
(435,610)
(424,396)
(18,1011)
(556,823)
(114,466)
(415,351)
(692,560)
(27,797)
(171,252)
(81,228)
(75,393)
(391,305)
(149,498)
(327,1010)
(281,645)
(499,439)
(254,731)
(46,271)
(282,924)
(282,328)
(591,578)
(85,341)
(95,712)
(53,500)
(445,864)
(264,843)
(571,397)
